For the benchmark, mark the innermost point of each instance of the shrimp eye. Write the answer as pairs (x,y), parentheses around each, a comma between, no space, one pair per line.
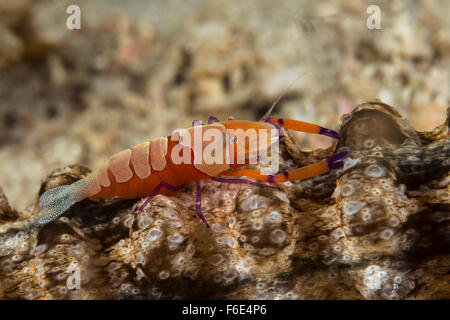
(234,140)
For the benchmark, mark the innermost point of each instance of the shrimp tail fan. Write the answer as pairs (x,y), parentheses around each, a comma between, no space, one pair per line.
(54,202)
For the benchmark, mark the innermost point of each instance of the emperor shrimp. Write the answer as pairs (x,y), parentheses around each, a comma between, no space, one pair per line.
(154,167)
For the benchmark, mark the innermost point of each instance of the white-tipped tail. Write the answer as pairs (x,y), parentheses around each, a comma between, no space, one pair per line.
(54,202)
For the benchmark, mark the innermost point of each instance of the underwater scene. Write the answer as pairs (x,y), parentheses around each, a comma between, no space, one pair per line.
(224,150)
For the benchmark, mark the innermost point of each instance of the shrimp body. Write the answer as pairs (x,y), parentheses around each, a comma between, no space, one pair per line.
(168,163)
(137,172)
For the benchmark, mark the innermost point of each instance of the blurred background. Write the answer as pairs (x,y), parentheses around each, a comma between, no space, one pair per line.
(137,70)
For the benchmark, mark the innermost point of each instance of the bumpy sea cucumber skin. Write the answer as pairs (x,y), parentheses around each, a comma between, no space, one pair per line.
(376,229)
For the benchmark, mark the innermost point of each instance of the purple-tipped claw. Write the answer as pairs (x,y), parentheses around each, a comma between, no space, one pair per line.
(330,133)
(335,162)
(212,119)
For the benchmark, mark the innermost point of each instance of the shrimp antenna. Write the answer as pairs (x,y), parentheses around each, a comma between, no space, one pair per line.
(269,112)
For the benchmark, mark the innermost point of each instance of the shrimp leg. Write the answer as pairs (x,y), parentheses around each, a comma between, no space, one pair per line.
(156,191)
(198,203)
(296,174)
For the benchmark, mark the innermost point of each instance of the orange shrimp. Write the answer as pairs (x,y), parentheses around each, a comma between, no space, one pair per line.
(154,167)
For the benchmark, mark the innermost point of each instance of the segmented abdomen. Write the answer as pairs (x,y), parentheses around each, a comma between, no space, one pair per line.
(136,172)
